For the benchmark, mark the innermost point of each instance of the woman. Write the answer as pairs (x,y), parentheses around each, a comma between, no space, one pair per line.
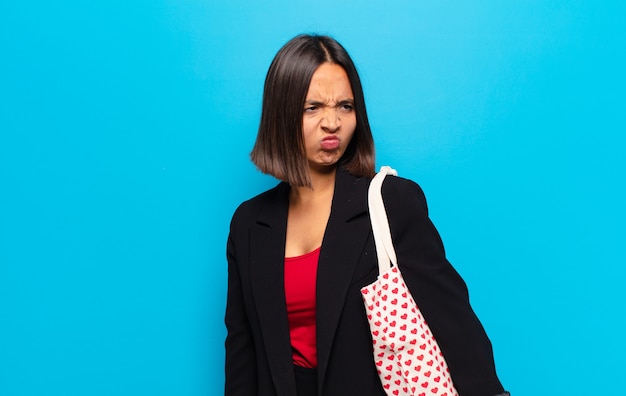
(299,253)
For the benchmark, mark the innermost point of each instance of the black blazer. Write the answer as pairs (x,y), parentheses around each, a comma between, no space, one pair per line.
(258,350)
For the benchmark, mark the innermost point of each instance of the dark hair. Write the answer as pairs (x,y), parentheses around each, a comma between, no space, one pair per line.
(279,147)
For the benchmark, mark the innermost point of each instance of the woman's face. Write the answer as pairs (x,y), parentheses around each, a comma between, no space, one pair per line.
(329,120)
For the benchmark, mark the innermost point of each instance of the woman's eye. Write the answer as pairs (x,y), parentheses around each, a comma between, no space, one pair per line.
(347,107)
(310,109)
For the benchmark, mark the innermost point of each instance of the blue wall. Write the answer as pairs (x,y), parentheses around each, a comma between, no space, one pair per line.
(118,119)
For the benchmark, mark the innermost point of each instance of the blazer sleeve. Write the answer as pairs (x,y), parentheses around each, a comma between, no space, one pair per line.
(439,291)
(240,367)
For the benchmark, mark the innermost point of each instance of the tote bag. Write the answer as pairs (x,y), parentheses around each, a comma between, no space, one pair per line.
(408,359)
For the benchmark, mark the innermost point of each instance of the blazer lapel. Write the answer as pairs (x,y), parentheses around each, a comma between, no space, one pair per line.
(267,252)
(345,237)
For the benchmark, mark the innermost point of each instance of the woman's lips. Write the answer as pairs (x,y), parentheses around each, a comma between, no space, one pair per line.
(330,143)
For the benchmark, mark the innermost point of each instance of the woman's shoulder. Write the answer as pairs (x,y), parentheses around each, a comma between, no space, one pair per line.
(251,207)
(399,191)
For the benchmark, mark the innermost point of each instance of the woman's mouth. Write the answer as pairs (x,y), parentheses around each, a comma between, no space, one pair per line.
(330,143)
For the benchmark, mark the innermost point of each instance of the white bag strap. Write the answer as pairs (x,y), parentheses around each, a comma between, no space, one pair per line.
(380,225)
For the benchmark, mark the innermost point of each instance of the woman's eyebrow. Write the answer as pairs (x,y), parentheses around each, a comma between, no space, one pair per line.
(318,103)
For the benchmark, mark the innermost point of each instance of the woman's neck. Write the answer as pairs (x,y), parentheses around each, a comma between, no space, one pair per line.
(309,211)
(322,186)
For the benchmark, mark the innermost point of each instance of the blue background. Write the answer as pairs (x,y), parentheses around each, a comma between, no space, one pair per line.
(121,122)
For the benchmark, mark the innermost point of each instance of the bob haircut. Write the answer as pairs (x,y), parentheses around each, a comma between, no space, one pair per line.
(279,148)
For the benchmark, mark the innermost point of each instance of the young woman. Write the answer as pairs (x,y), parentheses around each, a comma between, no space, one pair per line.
(299,253)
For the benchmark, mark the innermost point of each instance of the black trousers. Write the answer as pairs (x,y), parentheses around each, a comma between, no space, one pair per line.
(306,381)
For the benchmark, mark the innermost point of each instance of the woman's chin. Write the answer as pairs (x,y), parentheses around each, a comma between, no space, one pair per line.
(323,167)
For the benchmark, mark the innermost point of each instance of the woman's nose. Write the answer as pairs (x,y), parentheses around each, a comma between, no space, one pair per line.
(331,121)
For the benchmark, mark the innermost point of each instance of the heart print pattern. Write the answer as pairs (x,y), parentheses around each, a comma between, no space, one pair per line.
(407,356)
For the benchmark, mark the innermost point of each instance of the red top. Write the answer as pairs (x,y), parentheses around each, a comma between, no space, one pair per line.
(300,280)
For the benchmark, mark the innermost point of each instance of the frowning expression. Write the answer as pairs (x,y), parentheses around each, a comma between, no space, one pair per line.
(329,119)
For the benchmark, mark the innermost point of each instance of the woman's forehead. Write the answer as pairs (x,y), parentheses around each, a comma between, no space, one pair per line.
(329,82)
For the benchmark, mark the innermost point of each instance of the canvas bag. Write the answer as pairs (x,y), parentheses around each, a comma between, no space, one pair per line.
(408,359)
